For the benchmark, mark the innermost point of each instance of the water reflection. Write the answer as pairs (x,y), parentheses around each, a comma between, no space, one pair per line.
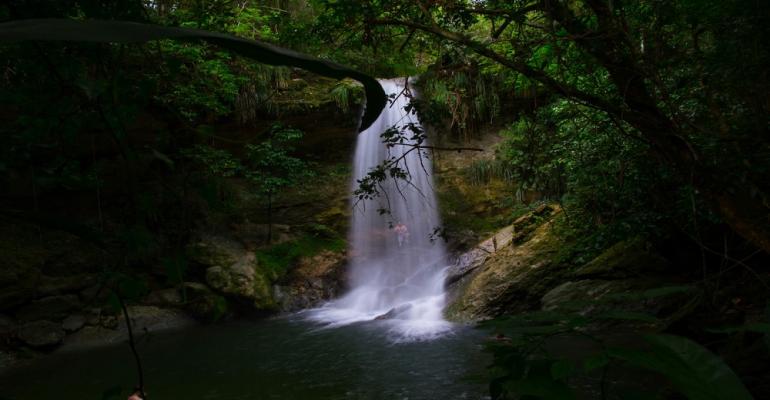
(282,358)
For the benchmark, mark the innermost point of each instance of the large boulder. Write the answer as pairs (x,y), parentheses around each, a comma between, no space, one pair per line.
(511,278)
(242,281)
(7,326)
(474,258)
(52,308)
(20,263)
(203,303)
(57,285)
(233,270)
(251,234)
(169,297)
(631,258)
(150,318)
(214,250)
(144,319)
(637,303)
(522,270)
(17,284)
(513,234)
(73,322)
(314,280)
(41,333)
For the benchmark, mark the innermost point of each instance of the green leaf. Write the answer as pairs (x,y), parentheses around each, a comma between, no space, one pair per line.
(542,388)
(562,369)
(650,293)
(627,316)
(596,361)
(692,369)
(760,327)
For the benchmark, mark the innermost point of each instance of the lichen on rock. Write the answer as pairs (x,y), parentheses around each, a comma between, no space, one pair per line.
(233,271)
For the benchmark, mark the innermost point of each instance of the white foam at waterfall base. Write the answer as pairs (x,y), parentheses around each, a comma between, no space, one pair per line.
(403,285)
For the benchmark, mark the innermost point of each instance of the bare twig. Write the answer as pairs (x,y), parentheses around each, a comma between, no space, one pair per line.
(132,344)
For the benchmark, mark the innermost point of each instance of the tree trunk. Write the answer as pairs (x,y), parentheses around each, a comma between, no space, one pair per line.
(743,213)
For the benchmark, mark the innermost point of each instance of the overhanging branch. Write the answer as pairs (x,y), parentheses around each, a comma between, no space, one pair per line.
(518,66)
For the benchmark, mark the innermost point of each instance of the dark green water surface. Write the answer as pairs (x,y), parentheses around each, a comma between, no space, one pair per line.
(281,358)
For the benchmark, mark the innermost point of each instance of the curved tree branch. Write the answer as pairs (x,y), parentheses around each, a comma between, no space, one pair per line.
(132,32)
(518,66)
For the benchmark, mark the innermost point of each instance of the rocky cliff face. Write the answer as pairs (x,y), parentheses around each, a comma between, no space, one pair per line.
(52,280)
(53,294)
(508,272)
(234,271)
(46,277)
(521,269)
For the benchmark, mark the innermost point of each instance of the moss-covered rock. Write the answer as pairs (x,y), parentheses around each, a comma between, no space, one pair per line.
(577,294)
(315,279)
(626,259)
(636,303)
(203,303)
(168,297)
(143,319)
(514,278)
(470,209)
(233,271)
(522,268)
(214,250)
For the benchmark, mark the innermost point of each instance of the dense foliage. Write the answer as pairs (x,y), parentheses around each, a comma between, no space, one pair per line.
(641,118)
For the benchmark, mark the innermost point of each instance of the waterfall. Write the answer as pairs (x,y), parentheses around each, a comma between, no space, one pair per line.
(397,265)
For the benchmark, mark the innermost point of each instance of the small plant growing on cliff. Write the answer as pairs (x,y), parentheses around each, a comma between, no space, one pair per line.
(273,169)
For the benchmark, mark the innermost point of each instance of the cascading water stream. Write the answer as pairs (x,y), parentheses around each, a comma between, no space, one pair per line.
(397,271)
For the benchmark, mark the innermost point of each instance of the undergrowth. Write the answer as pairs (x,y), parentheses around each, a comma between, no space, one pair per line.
(279,257)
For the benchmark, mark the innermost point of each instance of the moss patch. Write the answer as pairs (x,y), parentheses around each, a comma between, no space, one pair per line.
(276,260)
(628,258)
(513,279)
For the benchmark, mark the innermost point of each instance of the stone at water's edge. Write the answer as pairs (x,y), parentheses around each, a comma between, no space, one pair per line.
(203,303)
(41,333)
(515,233)
(232,270)
(511,279)
(314,280)
(144,319)
(7,325)
(242,280)
(394,312)
(164,298)
(73,322)
(53,308)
